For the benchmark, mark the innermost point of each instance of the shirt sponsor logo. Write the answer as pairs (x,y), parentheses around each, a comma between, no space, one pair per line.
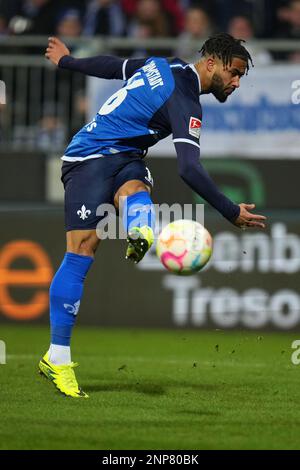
(195,127)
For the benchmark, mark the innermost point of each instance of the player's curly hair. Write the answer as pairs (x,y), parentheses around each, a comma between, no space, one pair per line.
(226,47)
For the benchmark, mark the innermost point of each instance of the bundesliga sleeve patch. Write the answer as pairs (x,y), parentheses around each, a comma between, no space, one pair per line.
(195,127)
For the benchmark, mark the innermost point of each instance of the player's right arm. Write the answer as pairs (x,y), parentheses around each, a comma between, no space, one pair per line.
(103,66)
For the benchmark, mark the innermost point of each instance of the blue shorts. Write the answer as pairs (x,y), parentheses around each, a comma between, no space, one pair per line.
(93,182)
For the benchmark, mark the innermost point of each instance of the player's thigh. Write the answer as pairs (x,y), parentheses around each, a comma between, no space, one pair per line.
(133,178)
(82,242)
(88,187)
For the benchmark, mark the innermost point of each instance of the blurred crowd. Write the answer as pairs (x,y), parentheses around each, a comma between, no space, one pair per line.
(181,19)
(151,18)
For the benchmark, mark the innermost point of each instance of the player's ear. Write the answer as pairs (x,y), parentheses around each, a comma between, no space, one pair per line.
(210,64)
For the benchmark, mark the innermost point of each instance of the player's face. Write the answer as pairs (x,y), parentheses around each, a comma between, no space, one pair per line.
(226,80)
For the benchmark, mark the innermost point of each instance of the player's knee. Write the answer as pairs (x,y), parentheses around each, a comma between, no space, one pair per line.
(85,245)
(88,248)
(128,189)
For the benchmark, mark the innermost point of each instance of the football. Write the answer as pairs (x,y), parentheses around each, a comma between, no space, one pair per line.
(184,247)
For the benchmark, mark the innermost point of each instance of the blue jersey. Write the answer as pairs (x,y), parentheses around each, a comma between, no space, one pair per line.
(159,98)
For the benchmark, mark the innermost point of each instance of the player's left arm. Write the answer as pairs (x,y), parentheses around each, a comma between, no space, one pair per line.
(185,119)
(194,174)
(102,66)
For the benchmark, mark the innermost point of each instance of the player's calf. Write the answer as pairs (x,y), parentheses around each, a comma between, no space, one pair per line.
(139,222)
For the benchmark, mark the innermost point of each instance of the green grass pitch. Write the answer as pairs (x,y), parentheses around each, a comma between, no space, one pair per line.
(153,390)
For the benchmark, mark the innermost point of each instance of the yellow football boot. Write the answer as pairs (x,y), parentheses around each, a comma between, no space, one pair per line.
(140,240)
(62,376)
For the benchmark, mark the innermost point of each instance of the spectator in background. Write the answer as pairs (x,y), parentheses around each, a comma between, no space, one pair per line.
(266,21)
(261,13)
(151,14)
(294,57)
(69,24)
(288,27)
(4,30)
(198,25)
(35,17)
(240,27)
(8,9)
(104,17)
(79,111)
(172,10)
(144,30)
(289,20)
(149,22)
(50,133)
(224,10)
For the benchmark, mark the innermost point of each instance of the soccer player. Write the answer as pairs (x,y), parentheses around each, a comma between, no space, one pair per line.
(104,163)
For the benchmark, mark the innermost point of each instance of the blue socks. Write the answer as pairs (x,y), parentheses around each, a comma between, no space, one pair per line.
(67,285)
(138,210)
(65,294)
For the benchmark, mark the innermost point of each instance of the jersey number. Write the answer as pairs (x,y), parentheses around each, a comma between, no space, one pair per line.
(117,98)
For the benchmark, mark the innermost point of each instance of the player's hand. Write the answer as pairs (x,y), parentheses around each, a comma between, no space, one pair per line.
(56,50)
(247,219)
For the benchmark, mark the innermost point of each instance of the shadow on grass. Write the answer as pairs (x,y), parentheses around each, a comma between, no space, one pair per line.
(146,388)
(149,388)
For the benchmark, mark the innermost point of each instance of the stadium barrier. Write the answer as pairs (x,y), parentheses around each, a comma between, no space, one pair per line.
(41,110)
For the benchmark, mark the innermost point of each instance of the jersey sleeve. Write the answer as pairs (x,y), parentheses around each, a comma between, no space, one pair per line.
(131,66)
(194,174)
(185,119)
(108,67)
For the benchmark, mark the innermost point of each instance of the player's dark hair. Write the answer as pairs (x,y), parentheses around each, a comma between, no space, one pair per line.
(226,47)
